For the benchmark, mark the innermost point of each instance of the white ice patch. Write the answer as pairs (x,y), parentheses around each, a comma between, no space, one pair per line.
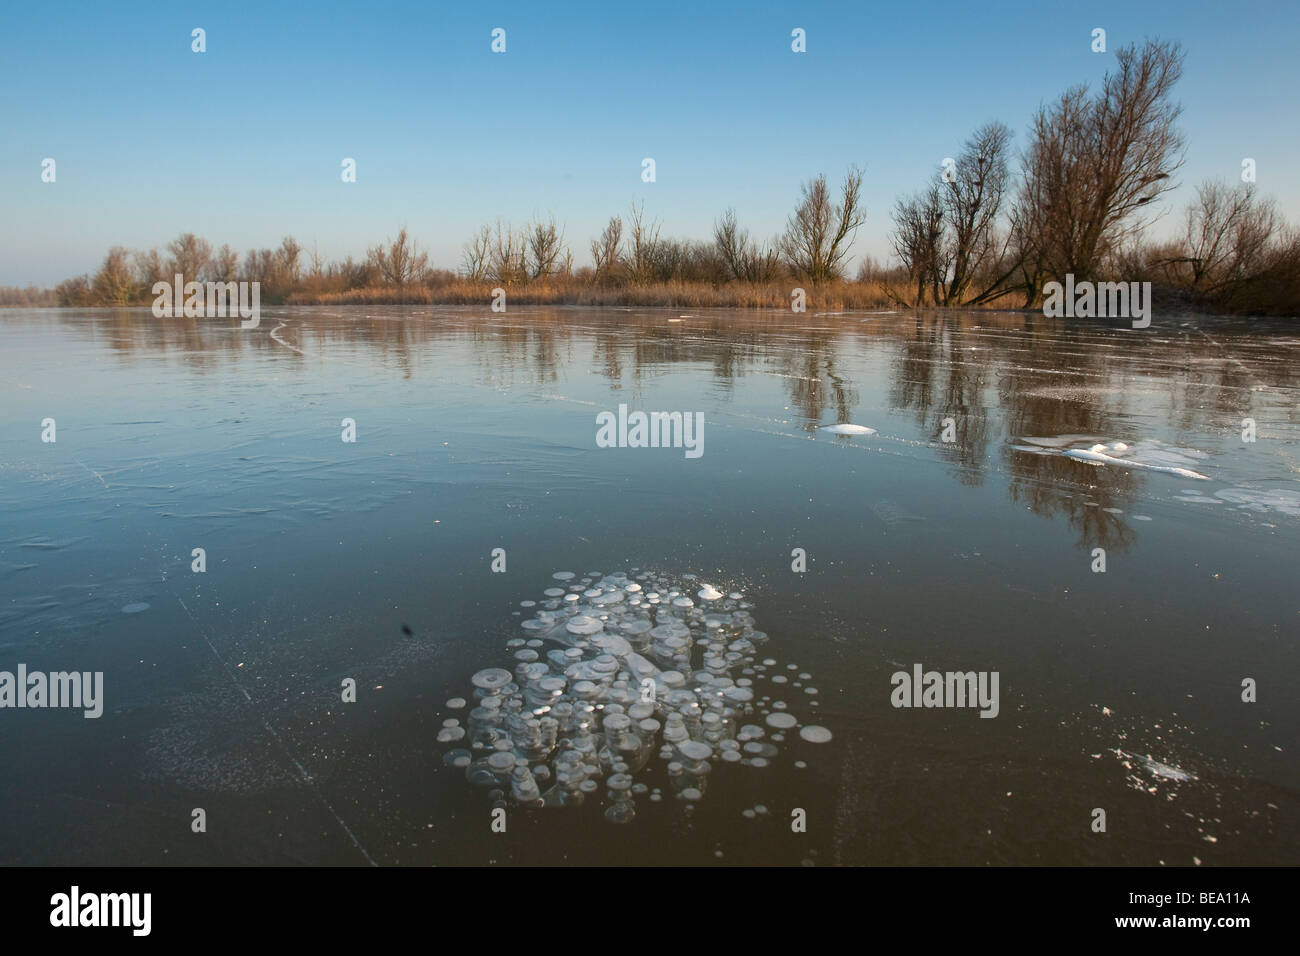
(847,429)
(1147,455)
(1063,441)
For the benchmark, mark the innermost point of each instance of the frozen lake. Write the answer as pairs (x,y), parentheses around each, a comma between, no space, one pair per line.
(958,528)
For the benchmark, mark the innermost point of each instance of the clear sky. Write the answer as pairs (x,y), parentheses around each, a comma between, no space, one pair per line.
(243,143)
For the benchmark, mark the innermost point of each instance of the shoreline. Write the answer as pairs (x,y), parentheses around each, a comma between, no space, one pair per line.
(920,312)
(749,297)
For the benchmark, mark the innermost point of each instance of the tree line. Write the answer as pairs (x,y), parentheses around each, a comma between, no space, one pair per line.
(629,251)
(990,227)
(1083,194)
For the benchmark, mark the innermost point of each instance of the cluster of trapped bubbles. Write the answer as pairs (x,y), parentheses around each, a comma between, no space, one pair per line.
(614,670)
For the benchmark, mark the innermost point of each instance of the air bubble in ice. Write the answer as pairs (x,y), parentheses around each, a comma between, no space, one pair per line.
(491,678)
(584,624)
(572,715)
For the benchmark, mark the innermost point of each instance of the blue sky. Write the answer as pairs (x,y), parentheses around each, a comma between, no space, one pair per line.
(243,143)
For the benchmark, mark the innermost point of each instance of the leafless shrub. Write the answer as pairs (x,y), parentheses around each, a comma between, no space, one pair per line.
(150,268)
(544,249)
(508,264)
(742,257)
(642,244)
(401,263)
(477,256)
(1229,231)
(190,256)
(606,250)
(225,265)
(820,230)
(115,282)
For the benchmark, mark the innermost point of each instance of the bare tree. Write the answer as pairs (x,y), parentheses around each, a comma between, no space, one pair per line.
(401,263)
(820,231)
(259,266)
(947,236)
(508,264)
(115,282)
(917,239)
(544,245)
(762,263)
(317,262)
(972,201)
(190,256)
(75,291)
(730,241)
(606,250)
(1026,255)
(477,255)
(743,257)
(1229,231)
(151,268)
(225,264)
(287,259)
(701,263)
(353,275)
(1095,163)
(642,244)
